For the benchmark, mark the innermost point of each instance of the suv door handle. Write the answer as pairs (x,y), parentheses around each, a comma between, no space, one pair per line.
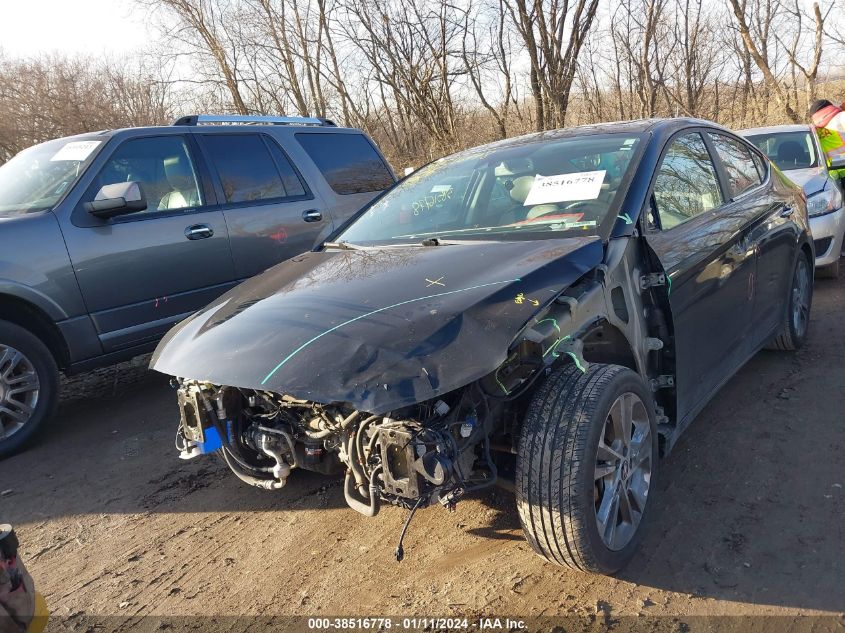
(786,212)
(198,232)
(312,215)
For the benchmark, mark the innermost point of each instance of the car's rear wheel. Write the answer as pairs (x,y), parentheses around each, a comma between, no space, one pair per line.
(797,319)
(29,382)
(586,463)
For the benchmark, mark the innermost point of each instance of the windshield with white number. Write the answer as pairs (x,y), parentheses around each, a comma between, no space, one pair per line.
(38,177)
(533,190)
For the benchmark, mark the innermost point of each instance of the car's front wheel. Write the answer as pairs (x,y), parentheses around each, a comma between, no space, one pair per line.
(586,465)
(29,382)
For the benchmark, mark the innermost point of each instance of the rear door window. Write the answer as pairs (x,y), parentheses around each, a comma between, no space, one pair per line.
(348,162)
(290,178)
(761,165)
(686,184)
(251,169)
(739,165)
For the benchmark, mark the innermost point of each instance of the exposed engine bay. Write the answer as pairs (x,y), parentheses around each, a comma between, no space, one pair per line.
(399,426)
(432,452)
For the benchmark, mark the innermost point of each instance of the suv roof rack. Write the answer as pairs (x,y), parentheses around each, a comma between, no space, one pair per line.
(248,119)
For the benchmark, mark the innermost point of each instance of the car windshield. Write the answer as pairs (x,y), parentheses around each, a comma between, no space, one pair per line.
(536,189)
(38,177)
(787,150)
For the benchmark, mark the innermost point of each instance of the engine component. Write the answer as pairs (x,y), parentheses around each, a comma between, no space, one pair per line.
(408,462)
(433,451)
(282,469)
(196,428)
(313,452)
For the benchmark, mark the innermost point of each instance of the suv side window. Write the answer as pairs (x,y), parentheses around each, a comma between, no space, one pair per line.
(686,184)
(739,164)
(349,162)
(162,165)
(247,170)
(290,178)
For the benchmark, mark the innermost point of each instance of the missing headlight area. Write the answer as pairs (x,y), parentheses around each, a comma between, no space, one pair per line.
(425,451)
(428,453)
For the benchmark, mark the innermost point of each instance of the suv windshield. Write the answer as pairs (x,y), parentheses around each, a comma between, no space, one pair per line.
(38,177)
(787,150)
(539,188)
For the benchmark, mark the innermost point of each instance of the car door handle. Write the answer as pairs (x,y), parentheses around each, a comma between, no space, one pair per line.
(198,232)
(786,212)
(312,215)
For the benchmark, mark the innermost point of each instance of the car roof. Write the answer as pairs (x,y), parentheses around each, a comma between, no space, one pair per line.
(205,129)
(665,126)
(774,129)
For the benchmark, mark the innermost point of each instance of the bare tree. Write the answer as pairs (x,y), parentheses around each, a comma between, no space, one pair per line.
(695,58)
(553,33)
(47,97)
(412,50)
(794,46)
(491,63)
(203,28)
(642,38)
(429,77)
(764,12)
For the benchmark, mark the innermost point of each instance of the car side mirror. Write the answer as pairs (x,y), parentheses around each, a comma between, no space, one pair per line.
(116,199)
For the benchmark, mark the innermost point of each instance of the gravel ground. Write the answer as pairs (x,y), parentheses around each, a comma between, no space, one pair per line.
(748,521)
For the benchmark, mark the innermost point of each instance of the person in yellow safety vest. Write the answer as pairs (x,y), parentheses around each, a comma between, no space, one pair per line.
(22,609)
(829,121)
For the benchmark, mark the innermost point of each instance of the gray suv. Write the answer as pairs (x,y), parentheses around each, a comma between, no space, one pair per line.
(108,239)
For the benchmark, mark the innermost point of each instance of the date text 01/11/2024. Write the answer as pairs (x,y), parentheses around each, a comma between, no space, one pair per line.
(415,623)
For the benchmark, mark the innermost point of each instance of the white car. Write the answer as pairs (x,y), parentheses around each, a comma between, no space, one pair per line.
(795,149)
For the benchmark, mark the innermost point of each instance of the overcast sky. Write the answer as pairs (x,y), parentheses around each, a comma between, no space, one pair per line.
(81,26)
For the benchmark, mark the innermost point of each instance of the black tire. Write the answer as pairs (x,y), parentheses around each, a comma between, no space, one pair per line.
(42,363)
(557,489)
(792,336)
(831,271)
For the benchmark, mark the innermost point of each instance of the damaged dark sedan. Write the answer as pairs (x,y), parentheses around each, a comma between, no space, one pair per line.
(547,312)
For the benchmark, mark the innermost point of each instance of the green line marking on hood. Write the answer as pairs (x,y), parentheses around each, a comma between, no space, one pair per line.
(625,217)
(368,314)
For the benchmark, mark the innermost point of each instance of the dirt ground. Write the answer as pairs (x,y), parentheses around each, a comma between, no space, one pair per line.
(748,518)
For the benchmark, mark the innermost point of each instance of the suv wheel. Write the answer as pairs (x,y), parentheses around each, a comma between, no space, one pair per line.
(797,319)
(29,382)
(586,463)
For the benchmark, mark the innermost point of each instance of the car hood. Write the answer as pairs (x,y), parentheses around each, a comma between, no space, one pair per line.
(378,328)
(12,215)
(812,179)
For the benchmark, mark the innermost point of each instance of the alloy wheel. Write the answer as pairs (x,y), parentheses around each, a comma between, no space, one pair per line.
(19,390)
(801,297)
(622,471)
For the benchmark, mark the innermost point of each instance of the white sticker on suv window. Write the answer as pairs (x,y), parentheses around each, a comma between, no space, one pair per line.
(76,150)
(585,185)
